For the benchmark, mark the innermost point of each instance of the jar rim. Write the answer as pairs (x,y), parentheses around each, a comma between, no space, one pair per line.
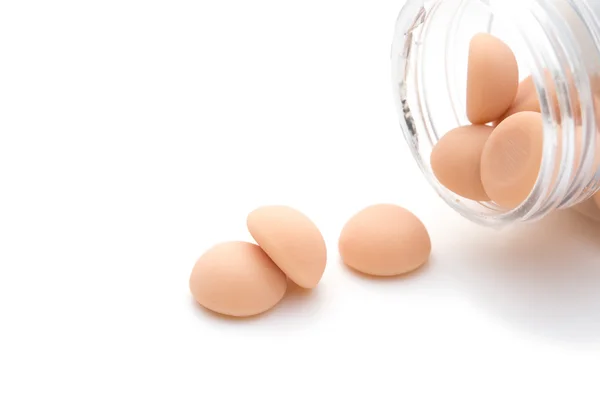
(557,186)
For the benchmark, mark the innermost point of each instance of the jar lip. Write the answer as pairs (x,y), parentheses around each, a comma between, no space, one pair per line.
(412,19)
(549,193)
(562,83)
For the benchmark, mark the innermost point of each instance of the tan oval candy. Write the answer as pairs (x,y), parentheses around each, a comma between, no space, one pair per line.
(292,241)
(492,79)
(511,159)
(526,99)
(456,161)
(237,279)
(384,240)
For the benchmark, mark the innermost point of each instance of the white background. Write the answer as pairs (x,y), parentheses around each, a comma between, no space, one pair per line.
(134,135)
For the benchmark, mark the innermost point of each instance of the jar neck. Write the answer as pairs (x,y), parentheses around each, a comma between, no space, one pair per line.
(565,60)
(561,39)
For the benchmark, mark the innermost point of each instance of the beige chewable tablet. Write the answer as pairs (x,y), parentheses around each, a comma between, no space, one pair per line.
(292,241)
(237,279)
(526,99)
(511,159)
(492,79)
(456,161)
(384,240)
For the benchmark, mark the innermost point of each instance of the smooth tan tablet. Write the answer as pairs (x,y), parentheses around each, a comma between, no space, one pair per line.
(456,160)
(292,241)
(237,279)
(492,79)
(526,99)
(511,159)
(384,240)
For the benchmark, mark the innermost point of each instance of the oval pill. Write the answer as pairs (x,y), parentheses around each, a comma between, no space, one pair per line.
(384,240)
(511,159)
(456,161)
(237,279)
(492,79)
(292,241)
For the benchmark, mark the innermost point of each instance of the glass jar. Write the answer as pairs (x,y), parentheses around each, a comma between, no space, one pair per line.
(556,42)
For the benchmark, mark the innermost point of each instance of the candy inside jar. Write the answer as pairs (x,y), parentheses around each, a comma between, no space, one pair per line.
(504,122)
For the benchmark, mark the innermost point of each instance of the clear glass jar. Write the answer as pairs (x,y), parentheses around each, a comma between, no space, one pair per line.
(556,42)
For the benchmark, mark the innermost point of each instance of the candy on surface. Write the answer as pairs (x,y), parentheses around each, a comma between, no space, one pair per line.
(384,240)
(292,241)
(237,279)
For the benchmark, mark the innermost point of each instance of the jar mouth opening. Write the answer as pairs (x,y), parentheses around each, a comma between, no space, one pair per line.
(429,53)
